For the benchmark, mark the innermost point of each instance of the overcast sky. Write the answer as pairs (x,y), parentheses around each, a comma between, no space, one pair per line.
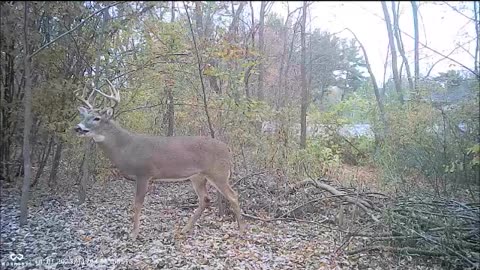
(441,28)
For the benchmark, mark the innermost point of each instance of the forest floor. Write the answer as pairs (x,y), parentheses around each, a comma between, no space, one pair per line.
(61,234)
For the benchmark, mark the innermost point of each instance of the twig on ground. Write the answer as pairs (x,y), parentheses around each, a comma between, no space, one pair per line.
(248,176)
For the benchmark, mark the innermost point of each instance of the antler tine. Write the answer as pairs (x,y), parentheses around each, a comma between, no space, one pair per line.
(114,96)
(82,99)
(114,91)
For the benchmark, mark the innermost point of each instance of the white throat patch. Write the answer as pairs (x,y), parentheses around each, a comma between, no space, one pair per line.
(98,138)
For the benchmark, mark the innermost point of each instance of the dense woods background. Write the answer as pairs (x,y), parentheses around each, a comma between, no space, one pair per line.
(297,105)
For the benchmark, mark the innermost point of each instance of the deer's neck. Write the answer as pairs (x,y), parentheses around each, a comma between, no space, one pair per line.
(114,139)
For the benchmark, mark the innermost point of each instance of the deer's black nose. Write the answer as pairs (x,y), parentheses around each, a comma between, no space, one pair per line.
(80,129)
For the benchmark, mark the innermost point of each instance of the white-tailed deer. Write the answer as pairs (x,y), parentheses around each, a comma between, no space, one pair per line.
(197,158)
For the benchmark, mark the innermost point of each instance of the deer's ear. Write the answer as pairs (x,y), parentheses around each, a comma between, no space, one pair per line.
(82,110)
(108,113)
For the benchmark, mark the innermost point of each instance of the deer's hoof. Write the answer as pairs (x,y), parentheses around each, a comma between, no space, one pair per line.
(242,227)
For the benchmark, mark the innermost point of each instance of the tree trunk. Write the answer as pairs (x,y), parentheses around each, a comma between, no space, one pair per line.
(303,74)
(281,101)
(248,93)
(310,66)
(199,19)
(7,97)
(212,80)
(169,91)
(252,16)
(261,45)
(52,180)
(398,37)
(202,35)
(287,67)
(170,113)
(281,85)
(476,11)
(416,34)
(375,86)
(27,127)
(85,175)
(393,50)
(172,12)
(233,29)
(43,160)
(246,80)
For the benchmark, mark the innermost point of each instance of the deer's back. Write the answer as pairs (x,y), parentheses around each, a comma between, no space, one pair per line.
(177,157)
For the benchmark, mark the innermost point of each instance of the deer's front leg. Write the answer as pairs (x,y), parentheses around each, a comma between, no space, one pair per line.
(142,186)
(199,185)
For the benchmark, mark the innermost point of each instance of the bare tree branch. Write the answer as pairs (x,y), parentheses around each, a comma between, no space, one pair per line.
(458,11)
(199,64)
(445,56)
(71,30)
(433,50)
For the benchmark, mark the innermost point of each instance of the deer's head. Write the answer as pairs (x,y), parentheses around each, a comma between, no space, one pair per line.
(95,121)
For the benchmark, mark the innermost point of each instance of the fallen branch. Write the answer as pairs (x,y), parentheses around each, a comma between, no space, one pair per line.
(318,223)
(451,250)
(407,250)
(313,201)
(283,219)
(440,215)
(376,195)
(392,237)
(365,206)
(440,225)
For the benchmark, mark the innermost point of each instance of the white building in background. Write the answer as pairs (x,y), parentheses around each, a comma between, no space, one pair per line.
(356,131)
(347,131)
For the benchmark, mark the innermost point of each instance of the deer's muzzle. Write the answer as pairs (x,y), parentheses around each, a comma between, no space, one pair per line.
(80,129)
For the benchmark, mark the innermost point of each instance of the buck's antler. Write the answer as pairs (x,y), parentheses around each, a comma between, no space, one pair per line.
(114,94)
(82,97)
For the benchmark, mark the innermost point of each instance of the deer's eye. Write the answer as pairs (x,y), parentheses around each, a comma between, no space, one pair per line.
(96,119)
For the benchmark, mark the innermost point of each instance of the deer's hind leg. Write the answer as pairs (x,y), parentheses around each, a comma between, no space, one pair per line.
(220,181)
(199,184)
